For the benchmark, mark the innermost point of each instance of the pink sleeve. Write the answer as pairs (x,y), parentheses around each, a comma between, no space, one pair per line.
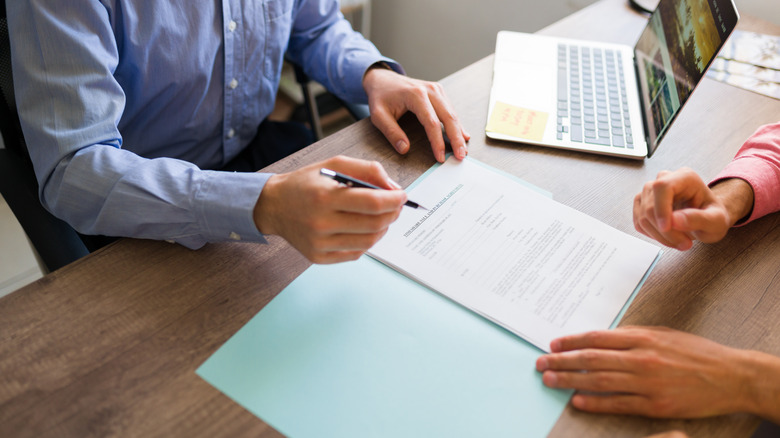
(758,163)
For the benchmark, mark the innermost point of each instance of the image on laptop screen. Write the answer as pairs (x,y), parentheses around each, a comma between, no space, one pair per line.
(679,43)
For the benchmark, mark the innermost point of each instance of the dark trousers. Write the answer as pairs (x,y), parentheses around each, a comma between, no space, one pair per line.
(767,429)
(274,141)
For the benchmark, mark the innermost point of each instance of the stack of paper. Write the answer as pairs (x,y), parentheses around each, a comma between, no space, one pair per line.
(532,265)
(751,61)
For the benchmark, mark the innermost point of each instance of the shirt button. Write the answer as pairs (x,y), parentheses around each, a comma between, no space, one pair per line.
(235,236)
(231,133)
(233,84)
(232,25)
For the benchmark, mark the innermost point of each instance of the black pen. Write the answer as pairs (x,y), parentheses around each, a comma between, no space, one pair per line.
(354,182)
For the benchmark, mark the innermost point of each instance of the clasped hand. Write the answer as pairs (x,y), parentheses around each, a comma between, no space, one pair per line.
(678,208)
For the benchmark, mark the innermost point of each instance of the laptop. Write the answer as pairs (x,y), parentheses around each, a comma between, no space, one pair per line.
(605,98)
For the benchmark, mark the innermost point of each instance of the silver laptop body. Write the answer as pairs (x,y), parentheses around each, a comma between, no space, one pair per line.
(605,98)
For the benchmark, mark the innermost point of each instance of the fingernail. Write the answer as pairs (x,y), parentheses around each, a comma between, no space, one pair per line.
(662,224)
(462,152)
(394,184)
(555,345)
(550,379)
(440,156)
(400,146)
(541,364)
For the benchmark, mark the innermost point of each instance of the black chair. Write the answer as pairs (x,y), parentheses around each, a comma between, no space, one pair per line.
(313,105)
(55,241)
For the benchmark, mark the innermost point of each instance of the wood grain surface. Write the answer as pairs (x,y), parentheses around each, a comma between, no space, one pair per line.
(109,345)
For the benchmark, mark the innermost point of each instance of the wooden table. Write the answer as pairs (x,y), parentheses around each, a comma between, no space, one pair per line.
(109,345)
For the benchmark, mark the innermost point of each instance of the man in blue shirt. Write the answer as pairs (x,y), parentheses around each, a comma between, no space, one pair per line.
(125,104)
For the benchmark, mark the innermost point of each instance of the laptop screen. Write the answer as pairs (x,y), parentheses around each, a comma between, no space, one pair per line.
(679,43)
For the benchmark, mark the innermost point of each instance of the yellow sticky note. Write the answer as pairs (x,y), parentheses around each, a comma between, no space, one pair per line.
(517,122)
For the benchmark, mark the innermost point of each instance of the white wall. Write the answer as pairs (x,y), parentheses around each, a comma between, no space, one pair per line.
(767,9)
(433,38)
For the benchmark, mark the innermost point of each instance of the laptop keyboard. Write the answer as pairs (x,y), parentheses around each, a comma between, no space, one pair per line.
(592,103)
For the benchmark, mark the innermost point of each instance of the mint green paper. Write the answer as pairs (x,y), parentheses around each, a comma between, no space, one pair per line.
(359,350)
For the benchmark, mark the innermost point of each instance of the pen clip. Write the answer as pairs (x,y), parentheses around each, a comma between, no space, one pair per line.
(327,172)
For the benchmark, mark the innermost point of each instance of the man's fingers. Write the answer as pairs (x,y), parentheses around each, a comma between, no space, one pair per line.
(326,222)
(638,215)
(388,124)
(670,191)
(421,106)
(452,126)
(613,404)
(465,133)
(661,196)
(354,223)
(457,141)
(347,242)
(390,95)
(365,201)
(708,224)
(646,222)
(369,171)
(591,359)
(620,339)
(673,238)
(595,381)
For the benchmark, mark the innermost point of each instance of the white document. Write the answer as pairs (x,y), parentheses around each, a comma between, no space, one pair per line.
(536,267)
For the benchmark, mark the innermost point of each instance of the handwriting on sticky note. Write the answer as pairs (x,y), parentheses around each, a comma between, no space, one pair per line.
(517,122)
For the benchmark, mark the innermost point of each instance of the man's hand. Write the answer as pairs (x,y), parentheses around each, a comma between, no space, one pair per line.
(656,372)
(391,95)
(326,222)
(678,208)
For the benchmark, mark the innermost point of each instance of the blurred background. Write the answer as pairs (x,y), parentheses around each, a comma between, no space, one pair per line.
(433,38)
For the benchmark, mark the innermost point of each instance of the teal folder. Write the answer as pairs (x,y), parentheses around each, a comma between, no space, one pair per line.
(359,350)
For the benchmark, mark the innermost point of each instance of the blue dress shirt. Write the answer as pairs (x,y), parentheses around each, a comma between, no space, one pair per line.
(123,103)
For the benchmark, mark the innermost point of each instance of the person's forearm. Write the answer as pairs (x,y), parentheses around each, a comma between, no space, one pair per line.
(325,45)
(737,195)
(114,192)
(762,391)
(758,162)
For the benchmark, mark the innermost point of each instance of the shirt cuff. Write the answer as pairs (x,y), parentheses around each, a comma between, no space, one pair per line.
(389,63)
(762,178)
(360,65)
(226,203)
